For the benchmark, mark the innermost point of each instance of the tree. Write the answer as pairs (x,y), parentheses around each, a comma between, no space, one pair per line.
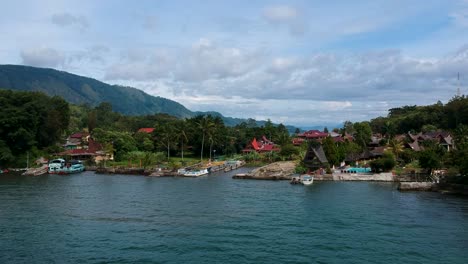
(165,134)
(287,151)
(396,147)
(348,127)
(205,125)
(181,134)
(429,160)
(331,150)
(363,134)
(383,164)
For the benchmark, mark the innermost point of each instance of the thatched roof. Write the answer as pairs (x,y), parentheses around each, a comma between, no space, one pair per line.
(315,157)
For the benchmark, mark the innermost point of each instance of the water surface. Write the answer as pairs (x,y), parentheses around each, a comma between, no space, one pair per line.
(88,218)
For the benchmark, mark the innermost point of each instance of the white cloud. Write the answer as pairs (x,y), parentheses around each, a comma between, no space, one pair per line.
(283,15)
(141,65)
(280,14)
(42,57)
(70,20)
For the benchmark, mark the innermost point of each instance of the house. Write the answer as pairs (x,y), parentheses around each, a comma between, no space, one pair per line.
(76,140)
(148,130)
(263,145)
(92,151)
(308,135)
(443,138)
(315,157)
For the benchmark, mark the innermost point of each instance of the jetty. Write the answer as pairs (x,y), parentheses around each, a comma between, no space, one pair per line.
(36,171)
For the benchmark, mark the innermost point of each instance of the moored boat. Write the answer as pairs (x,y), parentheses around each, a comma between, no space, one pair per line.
(60,166)
(195,173)
(307,179)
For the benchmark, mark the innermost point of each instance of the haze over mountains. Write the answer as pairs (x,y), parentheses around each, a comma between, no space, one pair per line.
(83,90)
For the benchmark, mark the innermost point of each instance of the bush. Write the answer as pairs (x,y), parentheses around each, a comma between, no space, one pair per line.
(384,164)
(300,169)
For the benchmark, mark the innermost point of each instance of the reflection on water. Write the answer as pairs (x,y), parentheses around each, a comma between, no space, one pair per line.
(90,218)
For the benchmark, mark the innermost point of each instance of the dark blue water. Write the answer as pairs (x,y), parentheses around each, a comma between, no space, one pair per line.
(88,218)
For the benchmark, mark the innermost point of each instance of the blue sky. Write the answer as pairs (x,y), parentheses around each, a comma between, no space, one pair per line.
(302,63)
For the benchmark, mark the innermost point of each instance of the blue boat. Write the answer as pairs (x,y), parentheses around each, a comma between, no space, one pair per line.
(60,166)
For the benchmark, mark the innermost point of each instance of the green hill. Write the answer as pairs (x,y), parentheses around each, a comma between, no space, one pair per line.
(82,90)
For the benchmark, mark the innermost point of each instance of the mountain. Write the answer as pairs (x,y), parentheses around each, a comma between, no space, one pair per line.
(80,90)
(83,90)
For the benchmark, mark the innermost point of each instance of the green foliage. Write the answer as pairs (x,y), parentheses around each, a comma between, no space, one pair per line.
(384,164)
(363,134)
(429,160)
(145,158)
(288,151)
(331,151)
(122,142)
(30,120)
(300,169)
(252,156)
(423,118)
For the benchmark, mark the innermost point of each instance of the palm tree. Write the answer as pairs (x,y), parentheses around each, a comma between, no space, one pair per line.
(395,146)
(183,139)
(205,125)
(166,136)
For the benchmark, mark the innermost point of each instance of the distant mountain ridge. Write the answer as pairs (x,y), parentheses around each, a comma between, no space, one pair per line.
(78,89)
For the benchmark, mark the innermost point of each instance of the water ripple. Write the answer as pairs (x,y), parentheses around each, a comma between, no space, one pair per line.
(124,219)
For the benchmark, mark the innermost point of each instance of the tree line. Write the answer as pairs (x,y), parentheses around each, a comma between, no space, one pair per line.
(31,122)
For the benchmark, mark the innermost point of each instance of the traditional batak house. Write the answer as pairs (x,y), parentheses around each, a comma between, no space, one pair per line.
(415,141)
(263,145)
(315,158)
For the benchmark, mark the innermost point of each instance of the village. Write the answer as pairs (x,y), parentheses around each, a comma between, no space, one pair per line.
(83,147)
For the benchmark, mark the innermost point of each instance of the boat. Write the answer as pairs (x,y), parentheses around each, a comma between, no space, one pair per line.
(60,166)
(195,173)
(307,179)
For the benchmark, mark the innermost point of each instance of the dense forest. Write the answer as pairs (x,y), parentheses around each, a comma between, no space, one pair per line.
(34,123)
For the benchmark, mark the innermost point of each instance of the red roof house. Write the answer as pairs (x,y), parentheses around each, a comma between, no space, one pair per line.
(148,130)
(264,145)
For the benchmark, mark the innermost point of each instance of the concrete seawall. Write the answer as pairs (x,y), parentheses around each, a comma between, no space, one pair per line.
(387,177)
(417,186)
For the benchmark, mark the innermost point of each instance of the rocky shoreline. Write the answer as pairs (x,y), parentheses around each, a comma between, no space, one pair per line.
(282,170)
(285,171)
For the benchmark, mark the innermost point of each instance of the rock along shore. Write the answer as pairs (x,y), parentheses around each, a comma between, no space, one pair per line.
(275,171)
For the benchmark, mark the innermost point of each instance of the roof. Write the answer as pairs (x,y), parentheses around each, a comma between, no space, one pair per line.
(313,134)
(415,146)
(315,157)
(148,130)
(261,146)
(93,148)
(79,135)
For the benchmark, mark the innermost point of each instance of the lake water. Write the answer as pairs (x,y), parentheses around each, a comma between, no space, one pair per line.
(88,218)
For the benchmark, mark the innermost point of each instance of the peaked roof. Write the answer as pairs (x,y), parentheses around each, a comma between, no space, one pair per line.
(315,157)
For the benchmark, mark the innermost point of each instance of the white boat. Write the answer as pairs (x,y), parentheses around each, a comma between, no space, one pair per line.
(196,173)
(307,179)
(60,166)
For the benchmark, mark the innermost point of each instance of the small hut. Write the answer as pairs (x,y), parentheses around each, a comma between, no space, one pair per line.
(315,157)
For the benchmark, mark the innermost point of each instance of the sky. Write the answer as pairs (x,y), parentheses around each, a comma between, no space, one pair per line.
(302,63)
